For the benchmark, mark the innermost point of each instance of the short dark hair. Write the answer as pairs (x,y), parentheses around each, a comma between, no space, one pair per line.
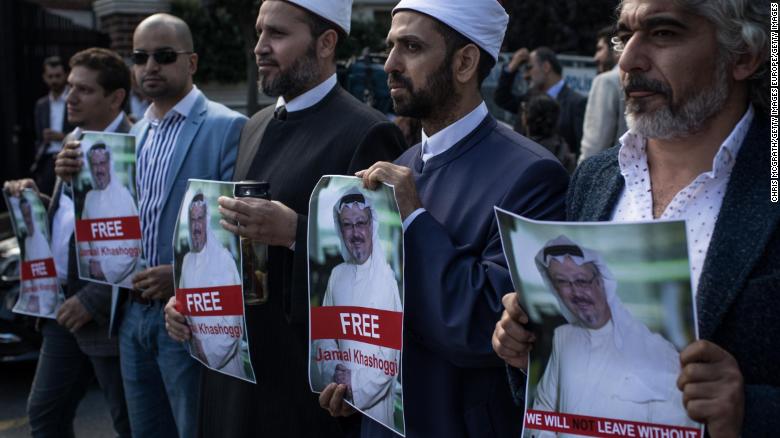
(113,73)
(53,62)
(606,33)
(545,54)
(455,41)
(542,116)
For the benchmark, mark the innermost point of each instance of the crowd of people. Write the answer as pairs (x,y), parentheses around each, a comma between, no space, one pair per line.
(682,95)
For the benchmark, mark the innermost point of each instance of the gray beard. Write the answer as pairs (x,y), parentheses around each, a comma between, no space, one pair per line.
(666,123)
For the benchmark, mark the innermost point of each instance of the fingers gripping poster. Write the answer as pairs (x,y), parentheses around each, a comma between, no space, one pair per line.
(355,245)
(207,272)
(108,230)
(40,294)
(611,306)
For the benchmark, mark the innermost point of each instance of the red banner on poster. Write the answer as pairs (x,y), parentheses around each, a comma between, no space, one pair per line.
(372,326)
(210,301)
(112,228)
(43,268)
(601,427)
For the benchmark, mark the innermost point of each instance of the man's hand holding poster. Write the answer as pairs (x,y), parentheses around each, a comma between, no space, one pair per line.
(40,294)
(611,307)
(108,231)
(207,272)
(355,245)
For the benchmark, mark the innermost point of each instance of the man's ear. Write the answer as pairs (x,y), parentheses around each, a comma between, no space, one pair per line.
(465,64)
(192,63)
(746,65)
(116,98)
(326,44)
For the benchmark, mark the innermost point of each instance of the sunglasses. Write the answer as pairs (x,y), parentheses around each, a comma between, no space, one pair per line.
(166,56)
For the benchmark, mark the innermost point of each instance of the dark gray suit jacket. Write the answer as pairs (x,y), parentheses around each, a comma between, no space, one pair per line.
(96,298)
(42,113)
(738,299)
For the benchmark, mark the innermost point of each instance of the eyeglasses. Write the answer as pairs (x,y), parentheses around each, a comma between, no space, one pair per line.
(579,283)
(358,226)
(165,56)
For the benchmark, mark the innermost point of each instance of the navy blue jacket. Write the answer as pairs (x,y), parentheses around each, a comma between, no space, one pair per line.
(455,276)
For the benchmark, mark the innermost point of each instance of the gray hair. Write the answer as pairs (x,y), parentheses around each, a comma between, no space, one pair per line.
(741,28)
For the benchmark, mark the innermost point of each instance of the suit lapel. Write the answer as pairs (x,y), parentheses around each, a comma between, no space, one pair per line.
(251,136)
(184,142)
(745,223)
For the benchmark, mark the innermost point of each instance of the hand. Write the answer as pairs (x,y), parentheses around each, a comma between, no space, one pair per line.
(511,340)
(332,400)
(175,322)
(263,221)
(713,388)
(68,162)
(519,58)
(155,283)
(15,187)
(397,176)
(73,315)
(95,270)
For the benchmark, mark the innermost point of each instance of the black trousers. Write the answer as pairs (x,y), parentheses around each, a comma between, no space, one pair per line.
(61,380)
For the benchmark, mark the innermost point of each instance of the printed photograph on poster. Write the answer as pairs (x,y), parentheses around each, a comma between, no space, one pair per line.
(108,230)
(39,292)
(207,272)
(355,245)
(612,307)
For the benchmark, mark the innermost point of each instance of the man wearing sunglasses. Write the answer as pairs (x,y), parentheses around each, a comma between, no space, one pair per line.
(182,135)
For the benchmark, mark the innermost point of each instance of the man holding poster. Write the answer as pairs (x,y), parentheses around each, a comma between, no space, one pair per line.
(216,339)
(604,363)
(365,280)
(111,261)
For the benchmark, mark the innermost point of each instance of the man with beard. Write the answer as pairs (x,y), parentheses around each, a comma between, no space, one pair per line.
(209,263)
(109,198)
(696,84)
(316,128)
(182,135)
(365,279)
(446,187)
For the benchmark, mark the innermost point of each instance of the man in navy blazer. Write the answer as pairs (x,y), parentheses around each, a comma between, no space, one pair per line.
(696,85)
(182,135)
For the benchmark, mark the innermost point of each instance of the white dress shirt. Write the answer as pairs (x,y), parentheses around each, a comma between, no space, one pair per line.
(309,98)
(445,139)
(64,218)
(56,118)
(699,203)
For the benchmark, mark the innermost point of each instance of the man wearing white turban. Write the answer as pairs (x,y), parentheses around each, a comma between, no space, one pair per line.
(604,362)
(365,279)
(114,260)
(208,264)
(446,187)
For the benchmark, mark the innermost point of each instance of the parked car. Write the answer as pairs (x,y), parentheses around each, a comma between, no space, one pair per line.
(19,341)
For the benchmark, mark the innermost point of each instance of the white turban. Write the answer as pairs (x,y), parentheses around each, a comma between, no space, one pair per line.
(481,21)
(338,12)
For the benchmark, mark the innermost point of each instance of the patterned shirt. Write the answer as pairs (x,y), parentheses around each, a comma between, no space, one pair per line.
(154,163)
(698,204)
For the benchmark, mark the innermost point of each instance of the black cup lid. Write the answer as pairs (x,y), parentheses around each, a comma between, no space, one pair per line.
(252,189)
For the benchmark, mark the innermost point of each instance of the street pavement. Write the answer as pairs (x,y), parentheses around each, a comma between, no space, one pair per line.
(92,418)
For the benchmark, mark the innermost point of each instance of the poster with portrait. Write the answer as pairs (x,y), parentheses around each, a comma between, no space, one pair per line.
(355,250)
(207,273)
(108,230)
(611,306)
(39,292)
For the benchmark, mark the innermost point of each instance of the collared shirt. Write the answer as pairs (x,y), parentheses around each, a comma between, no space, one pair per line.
(445,139)
(153,167)
(699,203)
(555,90)
(64,218)
(56,118)
(309,98)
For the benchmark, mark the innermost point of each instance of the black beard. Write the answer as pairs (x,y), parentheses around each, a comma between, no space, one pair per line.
(438,92)
(295,81)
